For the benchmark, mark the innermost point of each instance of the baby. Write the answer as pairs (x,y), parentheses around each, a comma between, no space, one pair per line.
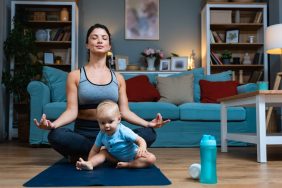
(121,145)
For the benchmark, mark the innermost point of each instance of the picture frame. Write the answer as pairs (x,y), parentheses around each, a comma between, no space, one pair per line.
(121,62)
(142,20)
(232,36)
(164,65)
(48,58)
(179,63)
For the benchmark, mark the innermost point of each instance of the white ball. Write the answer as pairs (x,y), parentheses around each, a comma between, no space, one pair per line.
(195,170)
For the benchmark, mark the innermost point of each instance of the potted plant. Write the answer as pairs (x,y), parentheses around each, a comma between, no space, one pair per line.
(20,51)
(226,57)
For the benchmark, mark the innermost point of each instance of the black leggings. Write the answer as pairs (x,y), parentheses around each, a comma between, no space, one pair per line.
(80,141)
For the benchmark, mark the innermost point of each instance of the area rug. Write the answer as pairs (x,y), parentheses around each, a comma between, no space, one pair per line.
(63,173)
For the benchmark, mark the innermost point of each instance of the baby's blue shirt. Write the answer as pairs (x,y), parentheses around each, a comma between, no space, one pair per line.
(121,144)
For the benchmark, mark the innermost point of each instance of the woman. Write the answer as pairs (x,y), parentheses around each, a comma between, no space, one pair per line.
(86,88)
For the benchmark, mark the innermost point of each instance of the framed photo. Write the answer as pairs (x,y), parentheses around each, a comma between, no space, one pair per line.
(232,36)
(164,64)
(121,62)
(142,19)
(179,63)
(48,58)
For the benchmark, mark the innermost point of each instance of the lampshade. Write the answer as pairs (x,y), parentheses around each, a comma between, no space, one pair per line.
(273,39)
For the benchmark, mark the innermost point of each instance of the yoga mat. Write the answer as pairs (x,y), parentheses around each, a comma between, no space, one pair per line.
(63,173)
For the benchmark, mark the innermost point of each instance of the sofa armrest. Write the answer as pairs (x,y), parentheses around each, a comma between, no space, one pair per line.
(250,87)
(39,96)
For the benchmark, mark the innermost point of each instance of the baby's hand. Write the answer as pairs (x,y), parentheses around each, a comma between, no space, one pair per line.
(83,165)
(141,152)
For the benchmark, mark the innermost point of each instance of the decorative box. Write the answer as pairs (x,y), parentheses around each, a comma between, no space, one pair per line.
(221,16)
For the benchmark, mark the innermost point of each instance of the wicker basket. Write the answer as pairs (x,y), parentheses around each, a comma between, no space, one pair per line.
(132,67)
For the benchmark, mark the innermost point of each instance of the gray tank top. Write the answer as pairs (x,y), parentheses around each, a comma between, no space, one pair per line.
(90,94)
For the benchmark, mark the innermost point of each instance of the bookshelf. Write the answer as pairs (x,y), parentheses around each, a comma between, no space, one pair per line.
(63,32)
(248,20)
(43,15)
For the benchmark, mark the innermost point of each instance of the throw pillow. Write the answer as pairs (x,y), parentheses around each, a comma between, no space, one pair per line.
(56,80)
(198,75)
(139,89)
(212,91)
(151,76)
(176,90)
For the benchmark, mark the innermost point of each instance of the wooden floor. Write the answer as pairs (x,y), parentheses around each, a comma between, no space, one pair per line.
(237,168)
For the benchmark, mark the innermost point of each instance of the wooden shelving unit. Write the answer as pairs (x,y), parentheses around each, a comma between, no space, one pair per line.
(58,48)
(67,48)
(247,26)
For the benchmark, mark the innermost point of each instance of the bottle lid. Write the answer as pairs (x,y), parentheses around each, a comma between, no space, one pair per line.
(195,170)
(208,140)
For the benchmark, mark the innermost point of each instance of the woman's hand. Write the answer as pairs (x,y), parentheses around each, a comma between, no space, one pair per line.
(44,123)
(158,121)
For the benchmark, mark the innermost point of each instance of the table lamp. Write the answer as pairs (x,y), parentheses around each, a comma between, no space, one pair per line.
(273,46)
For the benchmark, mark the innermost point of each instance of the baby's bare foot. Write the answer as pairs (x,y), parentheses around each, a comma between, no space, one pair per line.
(122,165)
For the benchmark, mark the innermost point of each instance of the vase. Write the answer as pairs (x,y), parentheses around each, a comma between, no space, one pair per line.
(48,31)
(64,14)
(41,35)
(151,63)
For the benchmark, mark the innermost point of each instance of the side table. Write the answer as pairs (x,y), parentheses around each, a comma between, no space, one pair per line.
(258,99)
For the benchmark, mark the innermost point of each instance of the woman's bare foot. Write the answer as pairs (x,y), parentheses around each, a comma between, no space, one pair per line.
(122,165)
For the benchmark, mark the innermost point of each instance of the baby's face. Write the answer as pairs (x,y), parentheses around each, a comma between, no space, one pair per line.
(108,123)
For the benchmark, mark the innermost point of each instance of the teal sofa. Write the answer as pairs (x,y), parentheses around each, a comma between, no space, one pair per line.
(189,121)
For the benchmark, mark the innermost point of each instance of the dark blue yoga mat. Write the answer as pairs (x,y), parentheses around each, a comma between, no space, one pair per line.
(63,173)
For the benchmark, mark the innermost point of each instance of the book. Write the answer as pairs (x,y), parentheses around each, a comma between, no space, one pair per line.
(258,17)
(255,76)
(216,58)
(212,38)
(261,59)
(68,57)
(214,62)
(217,37)
(256,58)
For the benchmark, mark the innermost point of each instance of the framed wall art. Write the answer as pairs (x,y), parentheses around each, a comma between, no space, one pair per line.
(48,58)
(121,62)
(164,64)
(179,63)
(142,19)
(232,36)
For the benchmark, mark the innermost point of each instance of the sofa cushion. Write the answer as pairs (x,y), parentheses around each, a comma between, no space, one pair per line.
(198,75)
(54,109)
(209,112)
(212,91)
(149,110)
(139,89)
(176,90)
(222,76)
(56,80)
(250,87)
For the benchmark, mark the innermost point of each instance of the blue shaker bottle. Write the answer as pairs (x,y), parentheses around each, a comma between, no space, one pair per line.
(208,160)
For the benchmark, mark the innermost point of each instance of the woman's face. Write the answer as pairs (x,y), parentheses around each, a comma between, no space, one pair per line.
(98,41)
